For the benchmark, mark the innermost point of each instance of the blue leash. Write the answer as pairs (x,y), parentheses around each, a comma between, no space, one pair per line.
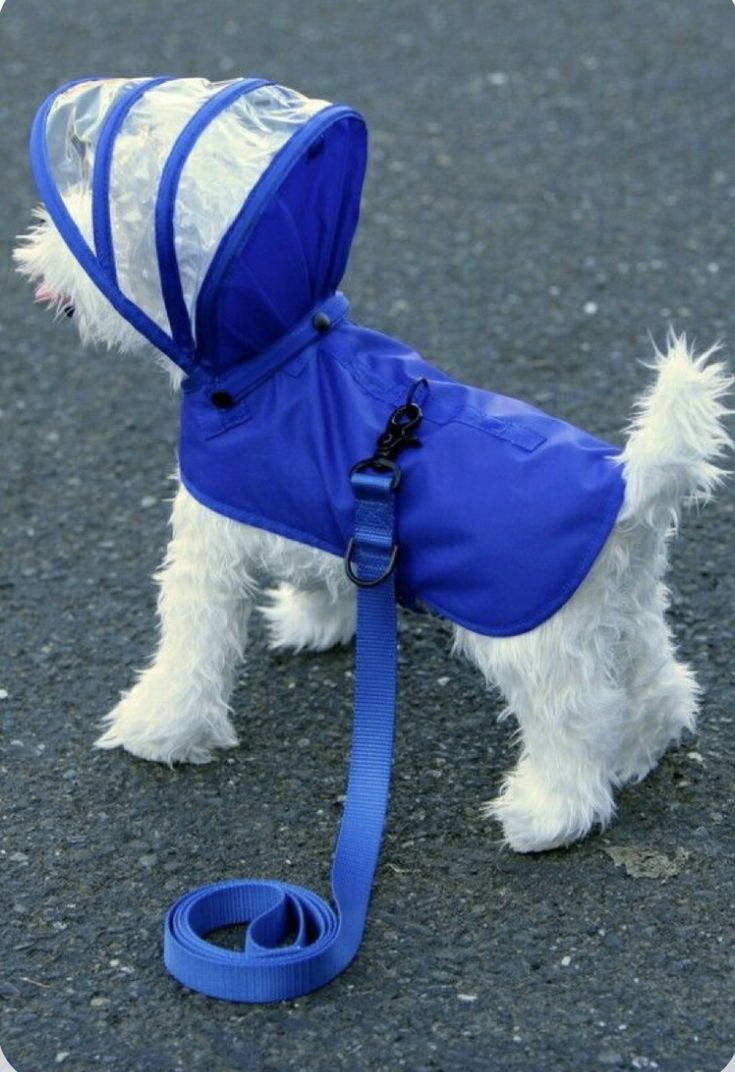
(296,942)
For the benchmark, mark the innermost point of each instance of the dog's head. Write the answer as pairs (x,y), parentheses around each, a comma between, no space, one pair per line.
(204,218)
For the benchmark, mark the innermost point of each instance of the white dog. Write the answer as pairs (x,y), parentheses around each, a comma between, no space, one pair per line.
(596,688)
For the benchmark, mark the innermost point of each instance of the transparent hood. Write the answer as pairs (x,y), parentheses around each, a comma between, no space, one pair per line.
(160,186)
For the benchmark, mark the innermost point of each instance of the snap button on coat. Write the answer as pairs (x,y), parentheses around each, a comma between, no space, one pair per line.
(223,399)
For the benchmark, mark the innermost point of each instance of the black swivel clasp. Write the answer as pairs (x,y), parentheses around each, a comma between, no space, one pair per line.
(399,433)
(399,430)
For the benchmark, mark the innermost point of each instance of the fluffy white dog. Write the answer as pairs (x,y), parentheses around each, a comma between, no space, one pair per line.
(596,688)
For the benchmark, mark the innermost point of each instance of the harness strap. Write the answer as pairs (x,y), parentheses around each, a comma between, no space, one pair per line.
(296,942)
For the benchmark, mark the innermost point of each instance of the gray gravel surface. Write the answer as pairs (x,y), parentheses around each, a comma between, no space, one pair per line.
(548,182)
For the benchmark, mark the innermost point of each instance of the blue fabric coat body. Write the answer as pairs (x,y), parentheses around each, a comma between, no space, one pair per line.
(503,509)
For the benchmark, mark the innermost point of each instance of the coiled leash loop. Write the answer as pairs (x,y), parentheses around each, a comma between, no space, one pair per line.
(295,941)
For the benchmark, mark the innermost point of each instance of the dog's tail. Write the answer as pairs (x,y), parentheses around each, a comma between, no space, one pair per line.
(677,434)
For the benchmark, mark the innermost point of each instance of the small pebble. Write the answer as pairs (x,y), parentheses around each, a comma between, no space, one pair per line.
(147,501)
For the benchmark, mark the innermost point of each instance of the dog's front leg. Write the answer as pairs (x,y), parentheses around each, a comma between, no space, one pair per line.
(179,708)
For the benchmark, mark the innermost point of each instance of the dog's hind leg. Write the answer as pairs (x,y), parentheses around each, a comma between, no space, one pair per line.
(569,715)
(662,692)
(662,701)
(311,618)
(561,682)
(179,708)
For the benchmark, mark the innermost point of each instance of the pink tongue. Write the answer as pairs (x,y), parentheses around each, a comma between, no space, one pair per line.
(44,294)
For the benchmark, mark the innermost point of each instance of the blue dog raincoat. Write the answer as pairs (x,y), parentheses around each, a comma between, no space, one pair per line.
(219,225)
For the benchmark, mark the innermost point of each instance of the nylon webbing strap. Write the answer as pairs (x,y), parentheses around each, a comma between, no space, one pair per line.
(295,941)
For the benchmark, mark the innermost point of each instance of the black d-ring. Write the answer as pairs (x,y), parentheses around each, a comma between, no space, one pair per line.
(374,582)
(380,465)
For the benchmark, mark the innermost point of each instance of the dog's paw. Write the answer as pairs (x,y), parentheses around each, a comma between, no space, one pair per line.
(536,817)
(636,766)
(153,725)
(311,619)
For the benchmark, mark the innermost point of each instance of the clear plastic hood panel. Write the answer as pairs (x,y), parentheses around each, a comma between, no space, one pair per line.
(235,148)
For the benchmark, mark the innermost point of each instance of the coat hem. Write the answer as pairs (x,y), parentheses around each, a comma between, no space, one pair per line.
(515,629)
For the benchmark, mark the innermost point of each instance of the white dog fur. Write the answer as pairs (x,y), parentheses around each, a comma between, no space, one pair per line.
(597,691)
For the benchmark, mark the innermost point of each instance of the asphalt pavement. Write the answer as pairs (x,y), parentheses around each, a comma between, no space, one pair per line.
(548,183)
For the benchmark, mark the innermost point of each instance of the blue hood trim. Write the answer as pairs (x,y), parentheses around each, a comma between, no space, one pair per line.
(101,223)
(168,265)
